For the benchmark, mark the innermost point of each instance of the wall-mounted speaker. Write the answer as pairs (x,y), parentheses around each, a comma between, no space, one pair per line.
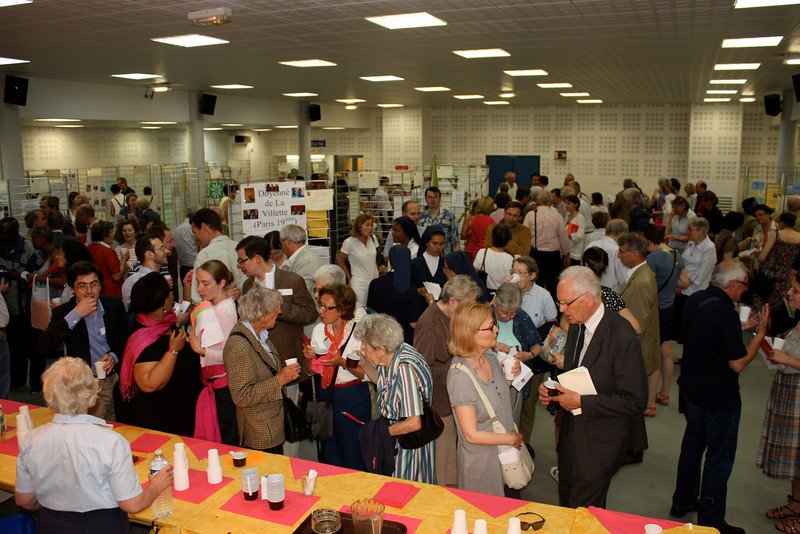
(796,83)
(241,139)
(314,112)
(16,91)
(772,105)
(207,104)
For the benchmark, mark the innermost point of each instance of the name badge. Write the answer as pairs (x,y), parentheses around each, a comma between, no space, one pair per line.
(286,292)
(102,330)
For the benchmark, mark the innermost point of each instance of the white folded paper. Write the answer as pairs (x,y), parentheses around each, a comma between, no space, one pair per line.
(580,381)
(525,374)
(207,322)
(433,289)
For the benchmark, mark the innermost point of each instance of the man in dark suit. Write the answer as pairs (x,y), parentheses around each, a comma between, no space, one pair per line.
(593,442)
(90,327)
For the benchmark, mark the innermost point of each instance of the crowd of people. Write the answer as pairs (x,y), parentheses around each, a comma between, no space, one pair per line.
(193,333)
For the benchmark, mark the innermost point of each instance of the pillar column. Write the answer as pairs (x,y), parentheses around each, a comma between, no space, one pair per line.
(787,139)
(196,148)
(12,168)
(304,140)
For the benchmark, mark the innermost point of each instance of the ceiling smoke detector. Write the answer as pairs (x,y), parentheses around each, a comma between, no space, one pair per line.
(210,17)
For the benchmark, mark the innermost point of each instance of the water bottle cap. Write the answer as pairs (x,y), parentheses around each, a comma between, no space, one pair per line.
(158,452)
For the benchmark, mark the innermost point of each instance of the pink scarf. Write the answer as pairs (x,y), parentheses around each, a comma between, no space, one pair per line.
(151,330)
(206,424)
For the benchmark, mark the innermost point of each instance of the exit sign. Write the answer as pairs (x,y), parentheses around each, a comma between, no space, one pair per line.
(318,143)
(401,167)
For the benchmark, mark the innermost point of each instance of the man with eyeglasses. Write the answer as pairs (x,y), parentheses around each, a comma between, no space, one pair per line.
(91,327)
(152,256)
(594,440)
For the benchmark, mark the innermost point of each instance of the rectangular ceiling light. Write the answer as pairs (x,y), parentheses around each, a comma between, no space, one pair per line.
(190,40)
(573,95)
(407,20)
(526,72)
(300,95)
(752,42)
(69,126)
(333,128)
(159,122)
(57,120)
(736,66)
(482,53)
(383,78)
(716,100)
(432,89)
(791,61)
(747,99)
(350,100)
(231,124)
(590,101)
(151,127)
(468,97)
(232,86)
(738,81)
(6,3)
(12,61)
(136,76)
(286,126)
(559,85)
(390,105)
(305,63)
(743,4)
(721,92)
(496,102)
(212,129)
(262,129)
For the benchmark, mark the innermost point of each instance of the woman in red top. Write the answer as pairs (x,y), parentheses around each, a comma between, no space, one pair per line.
(111,267)
(477,224)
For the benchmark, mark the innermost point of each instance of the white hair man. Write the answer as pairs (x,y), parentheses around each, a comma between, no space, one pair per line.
(616,273)
(510,178)
(300,258)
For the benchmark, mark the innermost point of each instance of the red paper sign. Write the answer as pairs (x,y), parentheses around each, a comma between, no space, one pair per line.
(396,494)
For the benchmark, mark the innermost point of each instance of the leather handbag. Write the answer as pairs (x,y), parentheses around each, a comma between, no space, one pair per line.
(295,426)
(432,428)
(518,472)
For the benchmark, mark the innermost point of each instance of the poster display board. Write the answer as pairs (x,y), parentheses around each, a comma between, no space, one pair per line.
(271,205)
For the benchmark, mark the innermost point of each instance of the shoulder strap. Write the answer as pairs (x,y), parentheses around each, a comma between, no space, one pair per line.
(483,263)
(674,263)
(240,334)
(481,394)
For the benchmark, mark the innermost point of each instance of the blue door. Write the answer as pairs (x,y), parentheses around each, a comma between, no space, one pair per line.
(523,166)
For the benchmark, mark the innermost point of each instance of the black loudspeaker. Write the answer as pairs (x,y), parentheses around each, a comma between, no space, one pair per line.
(772,105)
(207,104)
(314,112)
(796,82)
(16,90)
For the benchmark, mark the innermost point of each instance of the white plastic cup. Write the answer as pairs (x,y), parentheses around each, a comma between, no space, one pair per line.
(508,363)
(514,526)
(290,361)
(56,301)
(180,481)
(264,487)
(744,313)
(777,343)
(652,528)
(480,527)
(514,280)
(459,522)
(214,472)
(99,367)
(179,460)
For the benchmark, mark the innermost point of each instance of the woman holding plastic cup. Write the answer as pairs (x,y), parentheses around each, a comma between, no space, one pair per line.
(472,336)
(778,451)
(403,380)
(77,471)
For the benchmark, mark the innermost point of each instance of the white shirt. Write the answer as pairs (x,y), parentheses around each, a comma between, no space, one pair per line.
(353,345)
(185,244)
(129,282)
(615,274)
(227,317)
(221,248)
(699,261)
(77,463)
(512,190)
(361,257)
(591,326)
(497,266)
(432,262)
(633,270)
(538,303)
(269,279)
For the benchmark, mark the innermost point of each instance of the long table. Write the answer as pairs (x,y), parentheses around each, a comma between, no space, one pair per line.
(423,508)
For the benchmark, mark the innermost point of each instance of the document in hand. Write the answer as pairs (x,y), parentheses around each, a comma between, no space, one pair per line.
(765,349)
(204,318)
(433,289)
(580,381)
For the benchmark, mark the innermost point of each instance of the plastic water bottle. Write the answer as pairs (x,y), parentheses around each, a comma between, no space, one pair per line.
(162,506)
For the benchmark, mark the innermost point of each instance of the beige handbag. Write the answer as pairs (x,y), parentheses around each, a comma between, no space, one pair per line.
(517,473)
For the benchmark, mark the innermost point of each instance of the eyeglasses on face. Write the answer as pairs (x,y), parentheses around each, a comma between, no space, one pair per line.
(240,261)
(323,307)
(512,272)
(570,303)
(488,328)
(83,286)
(530,521)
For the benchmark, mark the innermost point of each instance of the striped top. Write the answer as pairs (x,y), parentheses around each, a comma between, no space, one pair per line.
(401,388)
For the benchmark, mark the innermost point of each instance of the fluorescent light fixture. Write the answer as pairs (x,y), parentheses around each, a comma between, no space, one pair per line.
(716,100)
(743,4)
(390,105)
(496,102)
(161,88)
(350,100)
(305,63)
(468,97)
(212,129)
(333,127)
(151,127)
(432,89)
(351,107)
(159,122)
(791,61)
(262,129)
(12,61)
(736,66)
(382,78)
(190,40)
(317,157)
(526,72)
(286,126)
(507,95)
(747,99)
(407,20)
(292,156)
(572,95)
(590,101)
(481,53)
(721,92)
(231,124)
(6,3)
(232,86)
(57,120)
(68,126)
(735,81)
(752,42)
(300,95)
(136,76)
(557,85)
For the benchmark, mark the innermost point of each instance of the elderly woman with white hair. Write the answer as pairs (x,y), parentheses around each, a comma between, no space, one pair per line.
(76,471)
(256,373)
(403,382)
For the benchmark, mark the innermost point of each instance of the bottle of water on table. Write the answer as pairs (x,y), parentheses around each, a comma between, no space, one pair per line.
(162,506)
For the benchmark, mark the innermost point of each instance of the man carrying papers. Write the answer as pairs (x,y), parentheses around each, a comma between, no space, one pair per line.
(592,445)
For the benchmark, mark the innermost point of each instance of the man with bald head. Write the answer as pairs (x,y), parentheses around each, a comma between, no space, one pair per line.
(511,180)
(605,344)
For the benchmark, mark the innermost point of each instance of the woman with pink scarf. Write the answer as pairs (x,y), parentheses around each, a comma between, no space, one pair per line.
(160,377)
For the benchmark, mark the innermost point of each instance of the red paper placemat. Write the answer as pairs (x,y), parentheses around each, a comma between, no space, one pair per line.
(10,406)
(411,523)
(9,446)
(491,504)
(199,447)
(295,507)
(396,494)
(148,442)
(199,488)
(300,468)
(622,523)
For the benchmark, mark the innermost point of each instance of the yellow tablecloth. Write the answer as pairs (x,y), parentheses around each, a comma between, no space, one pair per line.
(432,505)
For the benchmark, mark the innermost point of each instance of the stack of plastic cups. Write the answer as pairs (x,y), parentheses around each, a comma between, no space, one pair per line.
(180,466)
(480,527)
(214,471)
(24,424)
(514,526)
(459,522)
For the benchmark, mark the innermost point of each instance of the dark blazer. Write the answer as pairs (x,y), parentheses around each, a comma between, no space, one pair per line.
(77,339)
(420,273)
(592,445)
